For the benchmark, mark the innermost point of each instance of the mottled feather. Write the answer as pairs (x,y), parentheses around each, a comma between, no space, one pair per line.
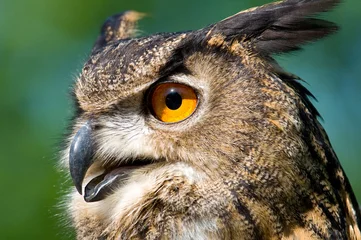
(251,162)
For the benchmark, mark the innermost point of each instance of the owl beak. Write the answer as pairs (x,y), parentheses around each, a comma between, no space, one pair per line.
(81,155)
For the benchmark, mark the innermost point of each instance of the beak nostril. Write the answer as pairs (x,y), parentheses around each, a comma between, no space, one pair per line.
(81,154)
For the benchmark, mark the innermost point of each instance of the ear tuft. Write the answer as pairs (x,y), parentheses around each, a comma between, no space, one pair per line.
(278,27)
(288,37)
(117,27)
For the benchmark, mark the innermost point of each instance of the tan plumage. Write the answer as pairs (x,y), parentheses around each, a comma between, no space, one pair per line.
(251,162)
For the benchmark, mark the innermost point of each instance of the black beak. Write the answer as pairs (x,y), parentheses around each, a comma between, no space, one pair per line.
(81,155)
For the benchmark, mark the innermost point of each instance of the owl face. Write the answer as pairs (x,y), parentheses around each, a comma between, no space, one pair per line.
(201,134)
(149,102)
(173,116)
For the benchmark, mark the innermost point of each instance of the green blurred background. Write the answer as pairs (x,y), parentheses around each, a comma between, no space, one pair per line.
(42,47)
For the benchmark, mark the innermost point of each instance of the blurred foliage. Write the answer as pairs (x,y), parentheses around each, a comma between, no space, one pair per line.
(42,47)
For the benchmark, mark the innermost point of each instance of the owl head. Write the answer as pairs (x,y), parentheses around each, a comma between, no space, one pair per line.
(201,134)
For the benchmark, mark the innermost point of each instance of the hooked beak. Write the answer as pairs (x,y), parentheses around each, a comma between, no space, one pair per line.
(81,155)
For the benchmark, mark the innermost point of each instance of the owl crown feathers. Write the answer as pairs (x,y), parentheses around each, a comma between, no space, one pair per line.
(270,29)
(273,28)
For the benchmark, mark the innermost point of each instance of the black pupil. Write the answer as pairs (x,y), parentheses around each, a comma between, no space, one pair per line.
(173,100)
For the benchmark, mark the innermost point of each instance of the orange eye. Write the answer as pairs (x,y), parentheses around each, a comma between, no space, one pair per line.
(173,102)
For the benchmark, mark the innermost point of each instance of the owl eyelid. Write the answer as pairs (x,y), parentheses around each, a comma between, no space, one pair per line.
(169,79)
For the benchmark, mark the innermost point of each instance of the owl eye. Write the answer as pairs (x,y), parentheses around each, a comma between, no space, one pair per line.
(173,102)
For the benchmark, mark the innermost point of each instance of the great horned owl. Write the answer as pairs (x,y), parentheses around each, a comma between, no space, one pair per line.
(202,135)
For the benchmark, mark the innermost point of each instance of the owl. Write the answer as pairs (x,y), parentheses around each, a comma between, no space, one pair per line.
(202,135)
